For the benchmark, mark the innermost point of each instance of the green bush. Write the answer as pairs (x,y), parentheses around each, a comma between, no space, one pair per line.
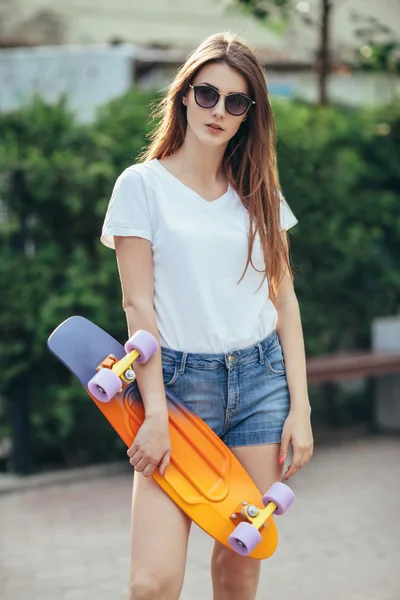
(55,181)
(338,171)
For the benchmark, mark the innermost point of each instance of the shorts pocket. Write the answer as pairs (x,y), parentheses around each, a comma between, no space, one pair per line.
(170,373)
(275,361)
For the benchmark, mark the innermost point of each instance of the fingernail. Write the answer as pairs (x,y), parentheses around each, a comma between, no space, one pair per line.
(281,459)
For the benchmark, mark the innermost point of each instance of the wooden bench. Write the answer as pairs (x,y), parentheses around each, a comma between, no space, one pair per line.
(322,369)
(329,369)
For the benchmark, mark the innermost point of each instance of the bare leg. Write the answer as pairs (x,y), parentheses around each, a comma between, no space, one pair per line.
(159,537)
(236,577)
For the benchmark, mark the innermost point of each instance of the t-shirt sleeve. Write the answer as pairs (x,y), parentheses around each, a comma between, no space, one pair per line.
(128,211)
(288,219)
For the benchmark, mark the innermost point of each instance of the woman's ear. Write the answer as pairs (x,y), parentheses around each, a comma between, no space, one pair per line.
(185,97)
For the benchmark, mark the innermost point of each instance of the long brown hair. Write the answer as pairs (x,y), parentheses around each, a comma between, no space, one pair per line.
(250,157)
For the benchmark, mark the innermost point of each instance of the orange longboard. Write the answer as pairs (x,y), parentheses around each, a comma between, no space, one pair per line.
(203,478)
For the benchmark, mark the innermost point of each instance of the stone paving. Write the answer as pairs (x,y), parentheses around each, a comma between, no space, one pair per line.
(340,540)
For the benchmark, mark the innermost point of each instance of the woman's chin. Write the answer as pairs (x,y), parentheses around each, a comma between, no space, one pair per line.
(212,141)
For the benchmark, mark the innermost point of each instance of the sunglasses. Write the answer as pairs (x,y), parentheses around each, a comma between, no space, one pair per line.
(236,103)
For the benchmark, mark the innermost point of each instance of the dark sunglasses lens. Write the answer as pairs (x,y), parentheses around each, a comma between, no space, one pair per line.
(236,104)
(206,96)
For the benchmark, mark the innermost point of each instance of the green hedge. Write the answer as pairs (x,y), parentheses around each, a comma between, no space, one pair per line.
(338,171)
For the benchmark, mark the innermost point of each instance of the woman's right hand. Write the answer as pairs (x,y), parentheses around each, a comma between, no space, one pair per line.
(152,446)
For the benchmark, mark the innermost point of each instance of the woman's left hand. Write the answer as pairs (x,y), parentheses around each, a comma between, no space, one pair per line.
(297,431)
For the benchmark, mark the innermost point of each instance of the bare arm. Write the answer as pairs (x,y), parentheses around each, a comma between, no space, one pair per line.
(135,266)
(290,334)
(297,428)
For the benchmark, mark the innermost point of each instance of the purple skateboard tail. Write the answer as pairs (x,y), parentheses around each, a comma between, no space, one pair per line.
(81,346)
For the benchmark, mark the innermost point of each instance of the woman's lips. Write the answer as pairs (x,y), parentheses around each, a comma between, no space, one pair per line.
(214,130)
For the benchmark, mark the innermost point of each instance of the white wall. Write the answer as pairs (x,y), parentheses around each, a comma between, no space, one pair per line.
(89,76)
(355,90)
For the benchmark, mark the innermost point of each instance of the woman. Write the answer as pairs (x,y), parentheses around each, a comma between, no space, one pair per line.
(199,227)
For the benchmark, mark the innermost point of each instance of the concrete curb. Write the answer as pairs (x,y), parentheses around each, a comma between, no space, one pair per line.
(10,483)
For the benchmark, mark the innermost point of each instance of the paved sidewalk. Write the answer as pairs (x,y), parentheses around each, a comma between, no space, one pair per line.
(339,541)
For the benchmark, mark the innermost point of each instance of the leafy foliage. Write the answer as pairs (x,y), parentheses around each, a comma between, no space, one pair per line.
(339,173)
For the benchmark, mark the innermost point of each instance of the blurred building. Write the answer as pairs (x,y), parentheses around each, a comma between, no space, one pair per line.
(95,50)
(184,23)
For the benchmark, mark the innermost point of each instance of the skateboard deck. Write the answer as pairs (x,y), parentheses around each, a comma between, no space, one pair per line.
(203,478)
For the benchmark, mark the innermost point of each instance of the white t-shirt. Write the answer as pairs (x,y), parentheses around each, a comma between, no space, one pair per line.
(199,253)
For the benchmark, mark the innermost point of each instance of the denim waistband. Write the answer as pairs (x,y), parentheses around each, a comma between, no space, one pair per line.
(228,359)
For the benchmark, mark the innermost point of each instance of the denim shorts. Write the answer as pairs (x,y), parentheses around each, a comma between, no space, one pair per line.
(242,395)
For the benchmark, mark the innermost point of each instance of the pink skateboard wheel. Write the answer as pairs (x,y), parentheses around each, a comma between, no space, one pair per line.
(104,385)
(145,343)
(244,538)
(281,495)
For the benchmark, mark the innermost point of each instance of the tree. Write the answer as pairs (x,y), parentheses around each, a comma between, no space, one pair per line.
(264,10)
(380,46)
